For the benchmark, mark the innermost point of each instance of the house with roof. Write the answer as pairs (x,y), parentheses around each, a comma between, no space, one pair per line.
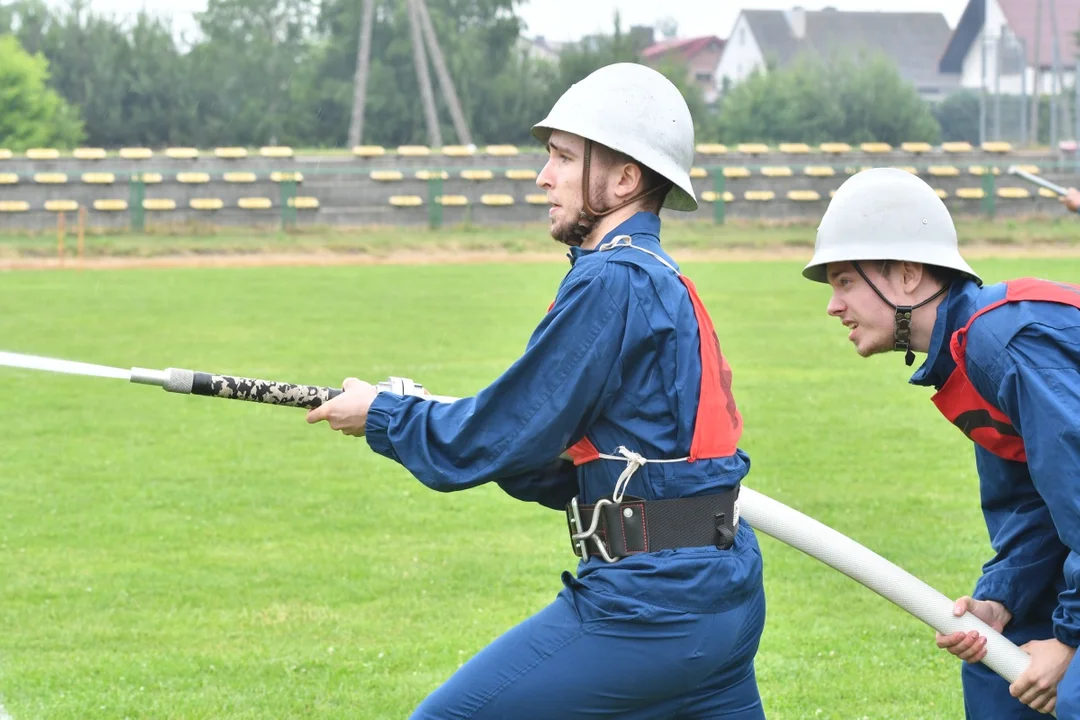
(700,54)
(913,40)
(1012,38)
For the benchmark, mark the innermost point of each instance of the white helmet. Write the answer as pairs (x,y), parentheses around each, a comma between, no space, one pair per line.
(635,110)
(886,214)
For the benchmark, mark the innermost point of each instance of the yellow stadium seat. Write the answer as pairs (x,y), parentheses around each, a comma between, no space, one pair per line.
(14,206)
(432,174)
(406,200)
(61,205)
(907,168)
(1032,169)
(752,148)
(983,170)
(803,195)
(151,178)
(413,150)
(943,170)
(182,153)
(916,147)
(286,177)
(192,178)
(255,203)
(86,153)
(101,178)
(536,199)
(942,194)
(458,150)
(834,148)
(302,202)
(997,147)
(498,200)
(711,148)
(206,203)
(970,193)
(9,179)
(110,205)
(386,175)
(452,200)
(476,175)
(1047,193)
(776,171)
(276,151)
(794,148)
(368,150)
(134,153)
(521,174)
(50,178)
(759,195)
(158,204)
(956,147)
(502,150)
(819,171)
(239,177)
(43,154)
(698,172)
(710,196)
(5,154)
(736,172)
(230,152)
(1013,193)
(875,147)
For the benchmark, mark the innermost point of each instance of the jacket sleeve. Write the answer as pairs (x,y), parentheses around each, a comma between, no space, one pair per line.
(527,417)
(552,486)
(1043,402)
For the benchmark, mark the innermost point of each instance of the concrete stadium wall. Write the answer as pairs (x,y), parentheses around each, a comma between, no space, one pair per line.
(396,189)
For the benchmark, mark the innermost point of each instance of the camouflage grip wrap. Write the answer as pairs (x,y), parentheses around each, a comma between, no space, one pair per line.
(261,391)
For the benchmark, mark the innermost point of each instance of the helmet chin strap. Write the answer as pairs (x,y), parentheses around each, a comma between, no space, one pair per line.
(902,322)
(588,216)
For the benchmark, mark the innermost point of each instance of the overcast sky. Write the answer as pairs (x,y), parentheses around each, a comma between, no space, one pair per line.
(562,20)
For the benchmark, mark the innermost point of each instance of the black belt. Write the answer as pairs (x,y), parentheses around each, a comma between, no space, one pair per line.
(612,530)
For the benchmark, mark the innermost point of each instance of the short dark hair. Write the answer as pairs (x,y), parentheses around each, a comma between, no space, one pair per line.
(650,181)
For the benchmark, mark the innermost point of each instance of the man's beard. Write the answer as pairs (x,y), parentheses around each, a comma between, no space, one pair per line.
(575,231)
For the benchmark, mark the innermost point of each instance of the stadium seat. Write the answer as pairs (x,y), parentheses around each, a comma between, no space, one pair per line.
(43,154)
(87,153)
(432,174)
(5,154)
(278,177)
(254,203)
(876,148)
(9,178)
(759,195)
(997,147)
(386,175)
(302,202)
(110,205)
(455,200)
(476,175)
(406,200)
(497,200)
(239,177)
(713,196)
(752,148)
(11,206)
(916,148)
(983,170)
(1032,169)
(803,195)
(231,152)
(943,171)
(521,174)
(413,150)
(182,153)
(1013,193)
(206,203)
(158,204)
(192,178)
(150,178)
(276,151)
(736,172)
(776,171)
(136,153)
(956,147)
(819,170)
(368,150)
(698,172)
(907,168)
(61,205)
(536,199)
(99,178)
(834,148)
(502,150)
(458,150)
(941,194)
(1047,193)
(711,148)
(50,178)
(969,193)
(794,148)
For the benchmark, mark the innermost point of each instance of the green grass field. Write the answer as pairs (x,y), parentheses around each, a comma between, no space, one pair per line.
(170,556)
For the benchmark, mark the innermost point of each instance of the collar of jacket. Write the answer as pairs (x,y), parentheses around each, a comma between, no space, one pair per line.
(953,313)
(638,224)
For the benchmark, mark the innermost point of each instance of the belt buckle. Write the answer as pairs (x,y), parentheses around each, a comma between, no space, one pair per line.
(579,536)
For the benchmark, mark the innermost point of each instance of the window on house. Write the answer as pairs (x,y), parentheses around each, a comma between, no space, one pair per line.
(703,77)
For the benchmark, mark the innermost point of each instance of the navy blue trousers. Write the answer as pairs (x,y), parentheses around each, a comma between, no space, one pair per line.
(986,694)
(589,655)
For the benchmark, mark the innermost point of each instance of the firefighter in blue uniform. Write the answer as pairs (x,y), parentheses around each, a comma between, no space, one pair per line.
(1005,361)
(619,413)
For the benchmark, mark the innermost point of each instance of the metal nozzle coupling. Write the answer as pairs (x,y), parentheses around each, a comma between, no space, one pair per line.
(171,379)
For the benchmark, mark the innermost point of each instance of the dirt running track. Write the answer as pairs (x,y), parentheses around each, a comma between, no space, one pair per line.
(435,257)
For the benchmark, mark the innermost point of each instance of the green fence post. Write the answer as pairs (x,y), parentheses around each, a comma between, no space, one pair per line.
(989,202)
(435,211)
(136,195)
(719,206)
(288,203)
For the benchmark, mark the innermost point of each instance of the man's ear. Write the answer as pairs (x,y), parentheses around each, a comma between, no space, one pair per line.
(911,274)
(629,181)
